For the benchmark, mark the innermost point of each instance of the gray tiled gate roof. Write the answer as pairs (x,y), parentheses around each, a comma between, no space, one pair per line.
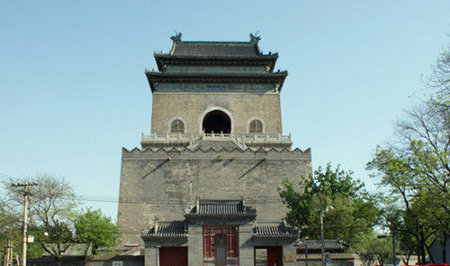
(221,209)
(328,244)
(274,231)
(167,230)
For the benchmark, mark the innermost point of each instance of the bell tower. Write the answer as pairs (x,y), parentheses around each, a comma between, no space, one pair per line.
(207,88)
(203,187)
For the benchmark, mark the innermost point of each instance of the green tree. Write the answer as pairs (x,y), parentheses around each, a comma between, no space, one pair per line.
(349,212)
(93,227)
(416,168)
(379,249)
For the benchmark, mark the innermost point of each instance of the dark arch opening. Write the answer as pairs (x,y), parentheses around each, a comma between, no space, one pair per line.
(217,121)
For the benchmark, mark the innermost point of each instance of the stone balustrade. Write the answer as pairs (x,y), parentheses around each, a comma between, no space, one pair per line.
(192,139)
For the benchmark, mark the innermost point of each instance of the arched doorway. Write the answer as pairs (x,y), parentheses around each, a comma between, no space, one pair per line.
(216,121)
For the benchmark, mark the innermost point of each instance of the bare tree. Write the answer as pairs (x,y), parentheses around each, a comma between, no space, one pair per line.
(53,210)
(416,168)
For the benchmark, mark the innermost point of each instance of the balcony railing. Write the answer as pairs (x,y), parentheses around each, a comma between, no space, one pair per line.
(193,140)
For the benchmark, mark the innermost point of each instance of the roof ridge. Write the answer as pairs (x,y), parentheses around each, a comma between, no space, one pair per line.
(217,42)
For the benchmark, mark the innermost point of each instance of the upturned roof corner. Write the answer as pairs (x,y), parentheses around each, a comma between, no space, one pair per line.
(176,37)
(254,38)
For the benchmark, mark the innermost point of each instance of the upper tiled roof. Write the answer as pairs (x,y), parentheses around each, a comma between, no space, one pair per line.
(215,48)
(182,48)
(274,231)
(167,230)
(221,209)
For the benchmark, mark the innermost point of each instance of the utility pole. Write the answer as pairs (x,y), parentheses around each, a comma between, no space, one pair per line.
(393,246)
(25,218)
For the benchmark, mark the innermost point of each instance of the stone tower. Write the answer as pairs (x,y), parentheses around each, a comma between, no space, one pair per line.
(203,186)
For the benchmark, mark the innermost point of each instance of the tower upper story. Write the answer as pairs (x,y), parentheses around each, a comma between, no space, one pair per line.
(216,90)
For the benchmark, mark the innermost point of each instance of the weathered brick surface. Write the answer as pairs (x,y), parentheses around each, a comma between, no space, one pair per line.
(163,185)
(192,107)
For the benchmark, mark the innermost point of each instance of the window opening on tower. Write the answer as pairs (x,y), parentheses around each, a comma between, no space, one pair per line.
(216,121)
(177,126)
(255,126)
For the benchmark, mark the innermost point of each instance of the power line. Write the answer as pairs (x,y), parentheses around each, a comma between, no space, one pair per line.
(153,200)
(3,174)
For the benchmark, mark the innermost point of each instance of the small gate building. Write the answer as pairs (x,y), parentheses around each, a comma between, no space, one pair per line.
(202,189)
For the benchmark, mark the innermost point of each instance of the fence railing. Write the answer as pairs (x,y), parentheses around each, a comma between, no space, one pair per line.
(193,139)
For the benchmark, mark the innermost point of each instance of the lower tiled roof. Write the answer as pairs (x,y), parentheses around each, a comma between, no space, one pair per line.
(167,230)
(328,244)
(280,231)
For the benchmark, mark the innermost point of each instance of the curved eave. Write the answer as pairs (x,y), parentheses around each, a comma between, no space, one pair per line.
(272,78)
(229,217)
(164,238)
(277,237)
(207,60)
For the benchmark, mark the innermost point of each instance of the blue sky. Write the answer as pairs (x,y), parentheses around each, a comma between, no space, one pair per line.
(73,90)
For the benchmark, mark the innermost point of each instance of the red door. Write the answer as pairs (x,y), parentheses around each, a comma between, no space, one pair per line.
(173,256)
(274,256)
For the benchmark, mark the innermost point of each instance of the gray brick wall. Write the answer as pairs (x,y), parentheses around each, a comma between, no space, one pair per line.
(192,107)
(164,185)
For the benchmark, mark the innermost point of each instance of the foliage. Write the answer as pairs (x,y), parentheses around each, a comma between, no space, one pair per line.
(379,249)
(54,219)
(93,227)
(416,169)
(349,212)
(52,212)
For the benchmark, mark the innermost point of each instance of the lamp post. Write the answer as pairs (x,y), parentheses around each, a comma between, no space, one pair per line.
(306,254)
(322,244)
(301,243)
(393,246)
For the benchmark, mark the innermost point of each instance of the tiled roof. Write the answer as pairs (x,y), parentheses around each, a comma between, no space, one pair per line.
(328,244)
(221,209)
(163,60)
(274,231)
(216,207)
(154,78)
(167,230)
(215,48)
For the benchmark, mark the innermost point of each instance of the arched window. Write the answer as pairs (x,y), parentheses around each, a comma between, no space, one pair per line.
(255,126)
(177,126)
